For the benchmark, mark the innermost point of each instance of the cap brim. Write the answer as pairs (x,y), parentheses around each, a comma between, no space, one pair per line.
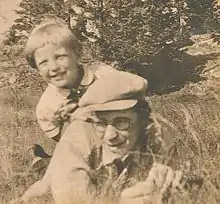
(113,105)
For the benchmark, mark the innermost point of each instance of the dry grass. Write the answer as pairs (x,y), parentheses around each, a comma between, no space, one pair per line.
(194,118)
(190,117)
(193,113)
(18,129)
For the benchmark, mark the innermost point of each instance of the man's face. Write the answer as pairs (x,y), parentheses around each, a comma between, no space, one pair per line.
(58,65)
(120,129)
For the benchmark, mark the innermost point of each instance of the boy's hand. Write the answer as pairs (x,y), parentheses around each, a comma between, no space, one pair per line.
(85,115)
(66,109)
(63,113)
(160,180)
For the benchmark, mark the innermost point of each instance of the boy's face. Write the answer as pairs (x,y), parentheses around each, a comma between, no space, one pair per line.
(120,129)
(58,65)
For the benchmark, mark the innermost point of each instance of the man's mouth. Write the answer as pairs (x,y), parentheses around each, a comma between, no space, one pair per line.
(116,144)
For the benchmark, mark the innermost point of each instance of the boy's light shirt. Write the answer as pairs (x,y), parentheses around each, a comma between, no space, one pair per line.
(54,97)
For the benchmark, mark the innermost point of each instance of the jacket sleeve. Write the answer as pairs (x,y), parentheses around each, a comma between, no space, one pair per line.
(45,118)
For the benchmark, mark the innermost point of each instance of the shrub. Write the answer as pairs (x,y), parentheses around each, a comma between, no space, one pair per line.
(141,36)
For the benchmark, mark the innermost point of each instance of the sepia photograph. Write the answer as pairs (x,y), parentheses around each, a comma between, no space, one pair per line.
(109,101)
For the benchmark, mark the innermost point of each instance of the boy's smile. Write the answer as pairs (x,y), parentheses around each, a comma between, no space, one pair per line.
(58,65)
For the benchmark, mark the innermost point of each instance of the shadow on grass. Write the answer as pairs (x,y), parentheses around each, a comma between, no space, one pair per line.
(167,74)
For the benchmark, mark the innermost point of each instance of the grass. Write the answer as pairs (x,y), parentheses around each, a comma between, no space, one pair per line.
(189,118)
(18,129)
(193,113)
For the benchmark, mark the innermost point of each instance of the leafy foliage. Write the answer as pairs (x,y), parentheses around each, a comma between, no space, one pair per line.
(142,36)
(123,30)
(137,30)
(203,14)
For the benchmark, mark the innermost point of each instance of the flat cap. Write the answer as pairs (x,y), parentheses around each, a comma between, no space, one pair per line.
(117,91)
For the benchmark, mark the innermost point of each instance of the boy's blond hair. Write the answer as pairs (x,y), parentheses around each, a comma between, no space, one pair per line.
(50,30)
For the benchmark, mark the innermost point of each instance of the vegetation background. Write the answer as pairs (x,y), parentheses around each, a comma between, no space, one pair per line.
(174,44)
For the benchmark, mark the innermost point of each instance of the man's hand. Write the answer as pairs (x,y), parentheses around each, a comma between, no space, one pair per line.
(164,177)
(160,180)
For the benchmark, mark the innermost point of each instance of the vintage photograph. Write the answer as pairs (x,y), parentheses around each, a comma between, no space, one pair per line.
(110,101)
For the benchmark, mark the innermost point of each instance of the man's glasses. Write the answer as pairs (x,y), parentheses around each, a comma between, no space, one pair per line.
(121,123)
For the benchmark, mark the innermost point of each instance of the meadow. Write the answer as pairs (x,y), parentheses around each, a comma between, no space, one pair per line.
(189,115)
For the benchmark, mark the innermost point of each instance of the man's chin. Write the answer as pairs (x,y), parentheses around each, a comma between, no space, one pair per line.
(122,148)
(118,145)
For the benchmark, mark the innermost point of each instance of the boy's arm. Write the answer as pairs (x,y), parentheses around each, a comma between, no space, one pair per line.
(45,121)
(52,121)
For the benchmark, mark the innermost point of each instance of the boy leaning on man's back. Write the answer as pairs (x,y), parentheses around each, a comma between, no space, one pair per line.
(55,52)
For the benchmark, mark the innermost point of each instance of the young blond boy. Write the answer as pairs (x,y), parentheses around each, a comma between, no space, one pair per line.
(55,52)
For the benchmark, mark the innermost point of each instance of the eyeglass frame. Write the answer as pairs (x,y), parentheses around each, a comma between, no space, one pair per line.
(113,123)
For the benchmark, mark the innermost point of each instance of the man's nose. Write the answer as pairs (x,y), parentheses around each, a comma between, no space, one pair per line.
(110,133)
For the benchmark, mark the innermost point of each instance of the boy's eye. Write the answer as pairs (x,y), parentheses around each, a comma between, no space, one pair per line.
(43,62)
(61,57)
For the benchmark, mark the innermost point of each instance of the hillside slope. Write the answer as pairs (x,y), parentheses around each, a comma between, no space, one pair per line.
(190,116)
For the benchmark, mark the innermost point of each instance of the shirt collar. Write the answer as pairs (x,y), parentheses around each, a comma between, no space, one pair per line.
(88,77)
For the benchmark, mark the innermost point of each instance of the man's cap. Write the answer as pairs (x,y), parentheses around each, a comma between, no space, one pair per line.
(117,91)
(113,105)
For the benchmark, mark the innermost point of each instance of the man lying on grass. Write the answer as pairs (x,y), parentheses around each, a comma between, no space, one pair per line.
(107,157)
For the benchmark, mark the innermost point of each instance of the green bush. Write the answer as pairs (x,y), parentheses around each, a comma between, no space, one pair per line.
(137,30)
(203,15)
(141,36)
(123,30)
